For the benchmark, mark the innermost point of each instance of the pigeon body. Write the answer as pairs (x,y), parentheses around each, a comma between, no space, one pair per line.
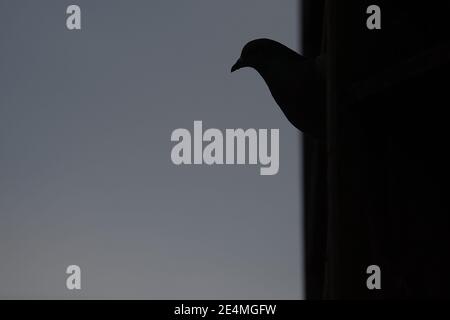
(295,82)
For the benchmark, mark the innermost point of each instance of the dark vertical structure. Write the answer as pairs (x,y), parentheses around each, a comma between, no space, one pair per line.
(380,185)
(314,164)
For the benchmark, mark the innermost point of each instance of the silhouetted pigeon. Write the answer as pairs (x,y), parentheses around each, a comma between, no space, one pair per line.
(296,83)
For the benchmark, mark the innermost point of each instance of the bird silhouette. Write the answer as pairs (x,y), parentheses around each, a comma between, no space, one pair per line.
(296,83)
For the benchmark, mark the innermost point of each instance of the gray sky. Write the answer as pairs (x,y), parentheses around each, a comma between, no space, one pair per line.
(85,170)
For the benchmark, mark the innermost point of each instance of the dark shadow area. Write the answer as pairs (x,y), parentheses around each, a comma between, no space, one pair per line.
(377,192)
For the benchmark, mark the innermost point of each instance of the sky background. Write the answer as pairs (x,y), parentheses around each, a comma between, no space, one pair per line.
(85,171)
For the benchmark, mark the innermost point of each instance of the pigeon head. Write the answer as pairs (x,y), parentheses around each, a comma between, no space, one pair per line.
(296,83)
(259,53)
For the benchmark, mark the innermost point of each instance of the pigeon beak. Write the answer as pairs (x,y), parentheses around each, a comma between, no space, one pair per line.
(238,65)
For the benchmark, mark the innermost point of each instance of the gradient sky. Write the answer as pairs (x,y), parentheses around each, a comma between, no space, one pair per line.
(85,170)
